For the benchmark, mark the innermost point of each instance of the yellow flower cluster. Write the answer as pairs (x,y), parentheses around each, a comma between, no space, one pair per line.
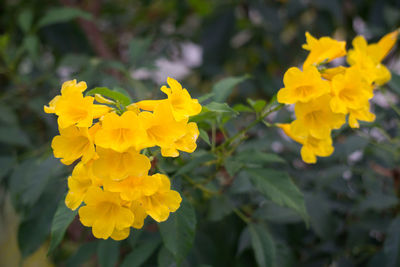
(323,97)
(112,177)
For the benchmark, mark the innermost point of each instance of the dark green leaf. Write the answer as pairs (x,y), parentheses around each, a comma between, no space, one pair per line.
(6,164)
(108,252)
(165,258)
(321,216)
(195,163)
(278,186)
(204,135)
(205,97)
(13,135)
(263,245)
(219,108)
(242,108)
(114,95)
(25,19)
(178,231)
(257,105)
(62,14)
(392,244)
(223,88)
(61,221)
(83,254)
(140,254)
(258,157)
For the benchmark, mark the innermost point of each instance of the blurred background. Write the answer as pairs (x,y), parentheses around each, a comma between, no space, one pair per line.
(352,196)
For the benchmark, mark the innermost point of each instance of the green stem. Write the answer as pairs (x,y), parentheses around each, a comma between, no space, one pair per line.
(199,186)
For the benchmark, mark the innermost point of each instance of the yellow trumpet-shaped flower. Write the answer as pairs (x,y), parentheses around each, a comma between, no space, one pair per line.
(140,214)
(183,105)
(161,127)
(120,132)
(133,188)
(311,147)
(78,184)
(105,213)
(302,86)
(350,91)
(332,72)
(74,109)
(316,119)
(74,143)
(186,143)
(163,201)
(368,57)
(324,49)
(117,166)
(361,114)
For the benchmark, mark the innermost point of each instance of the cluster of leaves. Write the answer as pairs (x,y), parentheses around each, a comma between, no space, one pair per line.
(248,199)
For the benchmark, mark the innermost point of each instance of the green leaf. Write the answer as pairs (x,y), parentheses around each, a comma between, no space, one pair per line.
(195,163)
(263,245)
(83,254)
(25,19)
(108,253)
(257,105)
(114,95)
(242,108)
(278,186)
(165,258)
(219,108)
(6,164)
(30,178)
(205,97)
(223,88)
(322,220)
(8,115)
(204,135)
(62,219)
(178,231)
(62,14)
(258,157)
(31,44)
(141,254)
(392,244)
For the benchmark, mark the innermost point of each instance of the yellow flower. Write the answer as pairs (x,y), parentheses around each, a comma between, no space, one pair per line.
(350,91)
(117,166)
(315,118)
(132,188)
(120,234)
(73,143)
(302,86)
(179,98)
(104,213)
(120,132)
(161,127)
(362,114)
(324,49)
(312,147)
(139,213)
(332,72)
(78,184)
(160,204)
(368,57)
(74,109)
(379,51)
(186,143)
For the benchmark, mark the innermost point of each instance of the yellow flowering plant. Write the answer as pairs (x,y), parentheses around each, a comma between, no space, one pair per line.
(324,96)
(120,151)
(110,185)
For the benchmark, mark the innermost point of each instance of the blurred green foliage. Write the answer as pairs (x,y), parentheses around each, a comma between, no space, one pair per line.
(246,203)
